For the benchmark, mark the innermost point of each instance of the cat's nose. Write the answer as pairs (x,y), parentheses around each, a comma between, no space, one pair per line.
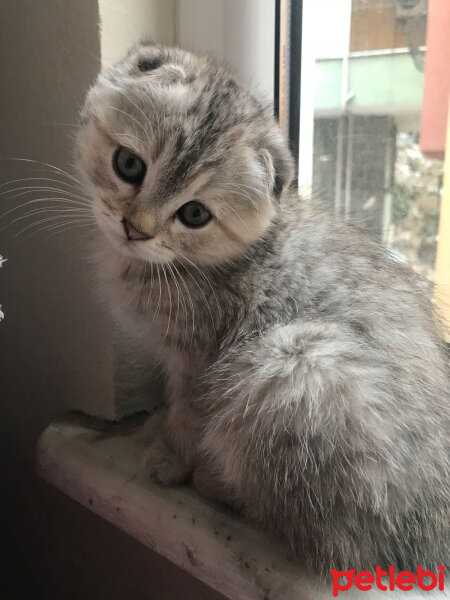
(133,234)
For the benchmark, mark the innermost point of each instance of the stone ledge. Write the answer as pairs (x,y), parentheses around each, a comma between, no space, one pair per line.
(99,465)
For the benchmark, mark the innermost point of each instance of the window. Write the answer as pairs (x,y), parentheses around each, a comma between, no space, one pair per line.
(375,87)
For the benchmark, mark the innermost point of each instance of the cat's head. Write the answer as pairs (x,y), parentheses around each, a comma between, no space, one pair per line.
(180,161)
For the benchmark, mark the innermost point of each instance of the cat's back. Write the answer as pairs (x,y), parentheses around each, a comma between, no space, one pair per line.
(329,274)
(341,274)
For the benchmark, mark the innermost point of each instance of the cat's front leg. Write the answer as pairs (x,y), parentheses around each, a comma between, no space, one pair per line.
(171,457)
(164,465)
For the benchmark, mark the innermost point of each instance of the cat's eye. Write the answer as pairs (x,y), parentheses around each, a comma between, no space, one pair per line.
(129,167)
(194,214)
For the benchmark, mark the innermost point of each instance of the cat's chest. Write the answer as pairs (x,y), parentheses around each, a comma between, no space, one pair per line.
(179,335)
(177,316)
(184,373)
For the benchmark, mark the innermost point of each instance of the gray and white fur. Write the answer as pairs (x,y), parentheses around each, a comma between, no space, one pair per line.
(307,383)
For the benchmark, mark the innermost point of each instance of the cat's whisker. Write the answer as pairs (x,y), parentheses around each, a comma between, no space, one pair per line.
(60,211)
(155,314)
(143,275)
(137,281)
(155,112)
(68,226)
(42,187)
(238,190)
(205,278)
(32,189)
(178,294)
(128,136)
(236,193)
(57,200)
(47,220)
(184,307)
(56,209)
(203,295)
(150,293)
(191,303)
(78,125)
(89,234)
(70,222)
(23,179)
(240,186)
(146,118)
(170,303)
(119,110)
(53,167)
(237,214)
(117,89)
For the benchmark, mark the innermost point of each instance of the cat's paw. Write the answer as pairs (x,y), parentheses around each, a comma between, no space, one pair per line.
(163,465)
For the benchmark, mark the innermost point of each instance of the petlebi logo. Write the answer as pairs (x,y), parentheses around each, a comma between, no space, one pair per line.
(388,580)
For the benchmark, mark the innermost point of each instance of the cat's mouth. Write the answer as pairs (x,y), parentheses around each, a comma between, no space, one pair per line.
(143,248)
(129,240)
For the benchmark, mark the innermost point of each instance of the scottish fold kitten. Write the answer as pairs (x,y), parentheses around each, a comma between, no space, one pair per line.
(307,382)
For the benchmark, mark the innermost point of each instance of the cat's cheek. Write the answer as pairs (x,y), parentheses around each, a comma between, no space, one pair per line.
(214,249)
(236,235)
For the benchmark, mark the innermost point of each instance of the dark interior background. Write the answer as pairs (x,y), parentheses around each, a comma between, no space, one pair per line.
(55,344)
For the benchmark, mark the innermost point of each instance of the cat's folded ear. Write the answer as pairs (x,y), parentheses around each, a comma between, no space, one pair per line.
(150,56)
(278,163)
(145,56)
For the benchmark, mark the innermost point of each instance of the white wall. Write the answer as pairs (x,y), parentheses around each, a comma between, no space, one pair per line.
(239,33)
(199,26)
(123,23)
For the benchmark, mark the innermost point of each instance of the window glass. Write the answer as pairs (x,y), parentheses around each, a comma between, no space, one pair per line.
(372,86)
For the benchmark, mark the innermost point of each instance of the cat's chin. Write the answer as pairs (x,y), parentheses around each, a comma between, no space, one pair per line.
(137,251)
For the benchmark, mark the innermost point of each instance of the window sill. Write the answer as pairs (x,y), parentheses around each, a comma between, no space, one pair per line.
(98,465)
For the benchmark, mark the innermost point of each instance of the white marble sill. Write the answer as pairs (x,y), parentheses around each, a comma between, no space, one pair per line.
(99,465)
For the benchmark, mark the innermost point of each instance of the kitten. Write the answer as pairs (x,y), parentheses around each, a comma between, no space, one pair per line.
(307,383)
